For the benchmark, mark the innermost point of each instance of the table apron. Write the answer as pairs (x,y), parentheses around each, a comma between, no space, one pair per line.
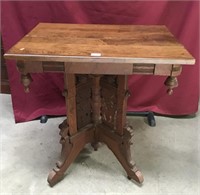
(98,68)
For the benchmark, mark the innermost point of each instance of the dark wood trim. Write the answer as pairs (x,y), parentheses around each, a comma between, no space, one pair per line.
(5,88)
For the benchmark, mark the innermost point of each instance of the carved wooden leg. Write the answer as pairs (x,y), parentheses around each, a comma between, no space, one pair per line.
(76,131)
(71,147)
(114,132)
(56,175)
(120,146)
(64,140)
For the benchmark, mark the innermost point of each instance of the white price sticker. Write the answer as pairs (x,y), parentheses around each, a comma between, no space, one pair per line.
(95,54)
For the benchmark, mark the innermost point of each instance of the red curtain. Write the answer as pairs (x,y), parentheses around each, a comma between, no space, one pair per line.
(148,92)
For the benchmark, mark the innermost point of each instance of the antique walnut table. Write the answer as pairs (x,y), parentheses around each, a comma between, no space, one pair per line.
(96,60)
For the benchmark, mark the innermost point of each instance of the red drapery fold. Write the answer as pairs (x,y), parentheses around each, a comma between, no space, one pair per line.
(148,92)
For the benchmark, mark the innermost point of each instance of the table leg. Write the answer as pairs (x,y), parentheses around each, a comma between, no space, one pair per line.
(71,147)
(77,130)
(120,146)
(114,131)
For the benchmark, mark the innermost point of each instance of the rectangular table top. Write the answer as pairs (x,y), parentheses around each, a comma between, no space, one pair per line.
(100,43)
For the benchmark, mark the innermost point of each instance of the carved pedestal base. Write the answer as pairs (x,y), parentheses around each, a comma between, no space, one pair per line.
(96,113)
(72,145)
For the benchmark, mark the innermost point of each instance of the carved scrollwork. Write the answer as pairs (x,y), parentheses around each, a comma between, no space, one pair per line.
(82,79)
(109,100)
(64,140)
(83,100)
(126,143)
(64,129)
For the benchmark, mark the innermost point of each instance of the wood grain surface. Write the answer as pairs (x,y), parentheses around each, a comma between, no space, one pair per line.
(115,43)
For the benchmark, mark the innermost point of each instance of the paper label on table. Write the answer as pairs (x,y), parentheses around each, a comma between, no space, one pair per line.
(95,54)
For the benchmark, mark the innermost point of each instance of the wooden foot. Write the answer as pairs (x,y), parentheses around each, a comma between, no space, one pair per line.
(137,176)
(54,177)
(120,146)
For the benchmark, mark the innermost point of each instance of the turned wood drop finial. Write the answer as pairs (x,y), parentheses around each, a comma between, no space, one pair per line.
(171,82)
(25,77)
(26,80)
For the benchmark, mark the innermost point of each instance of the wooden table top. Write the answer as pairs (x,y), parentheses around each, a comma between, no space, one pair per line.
(115,43)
